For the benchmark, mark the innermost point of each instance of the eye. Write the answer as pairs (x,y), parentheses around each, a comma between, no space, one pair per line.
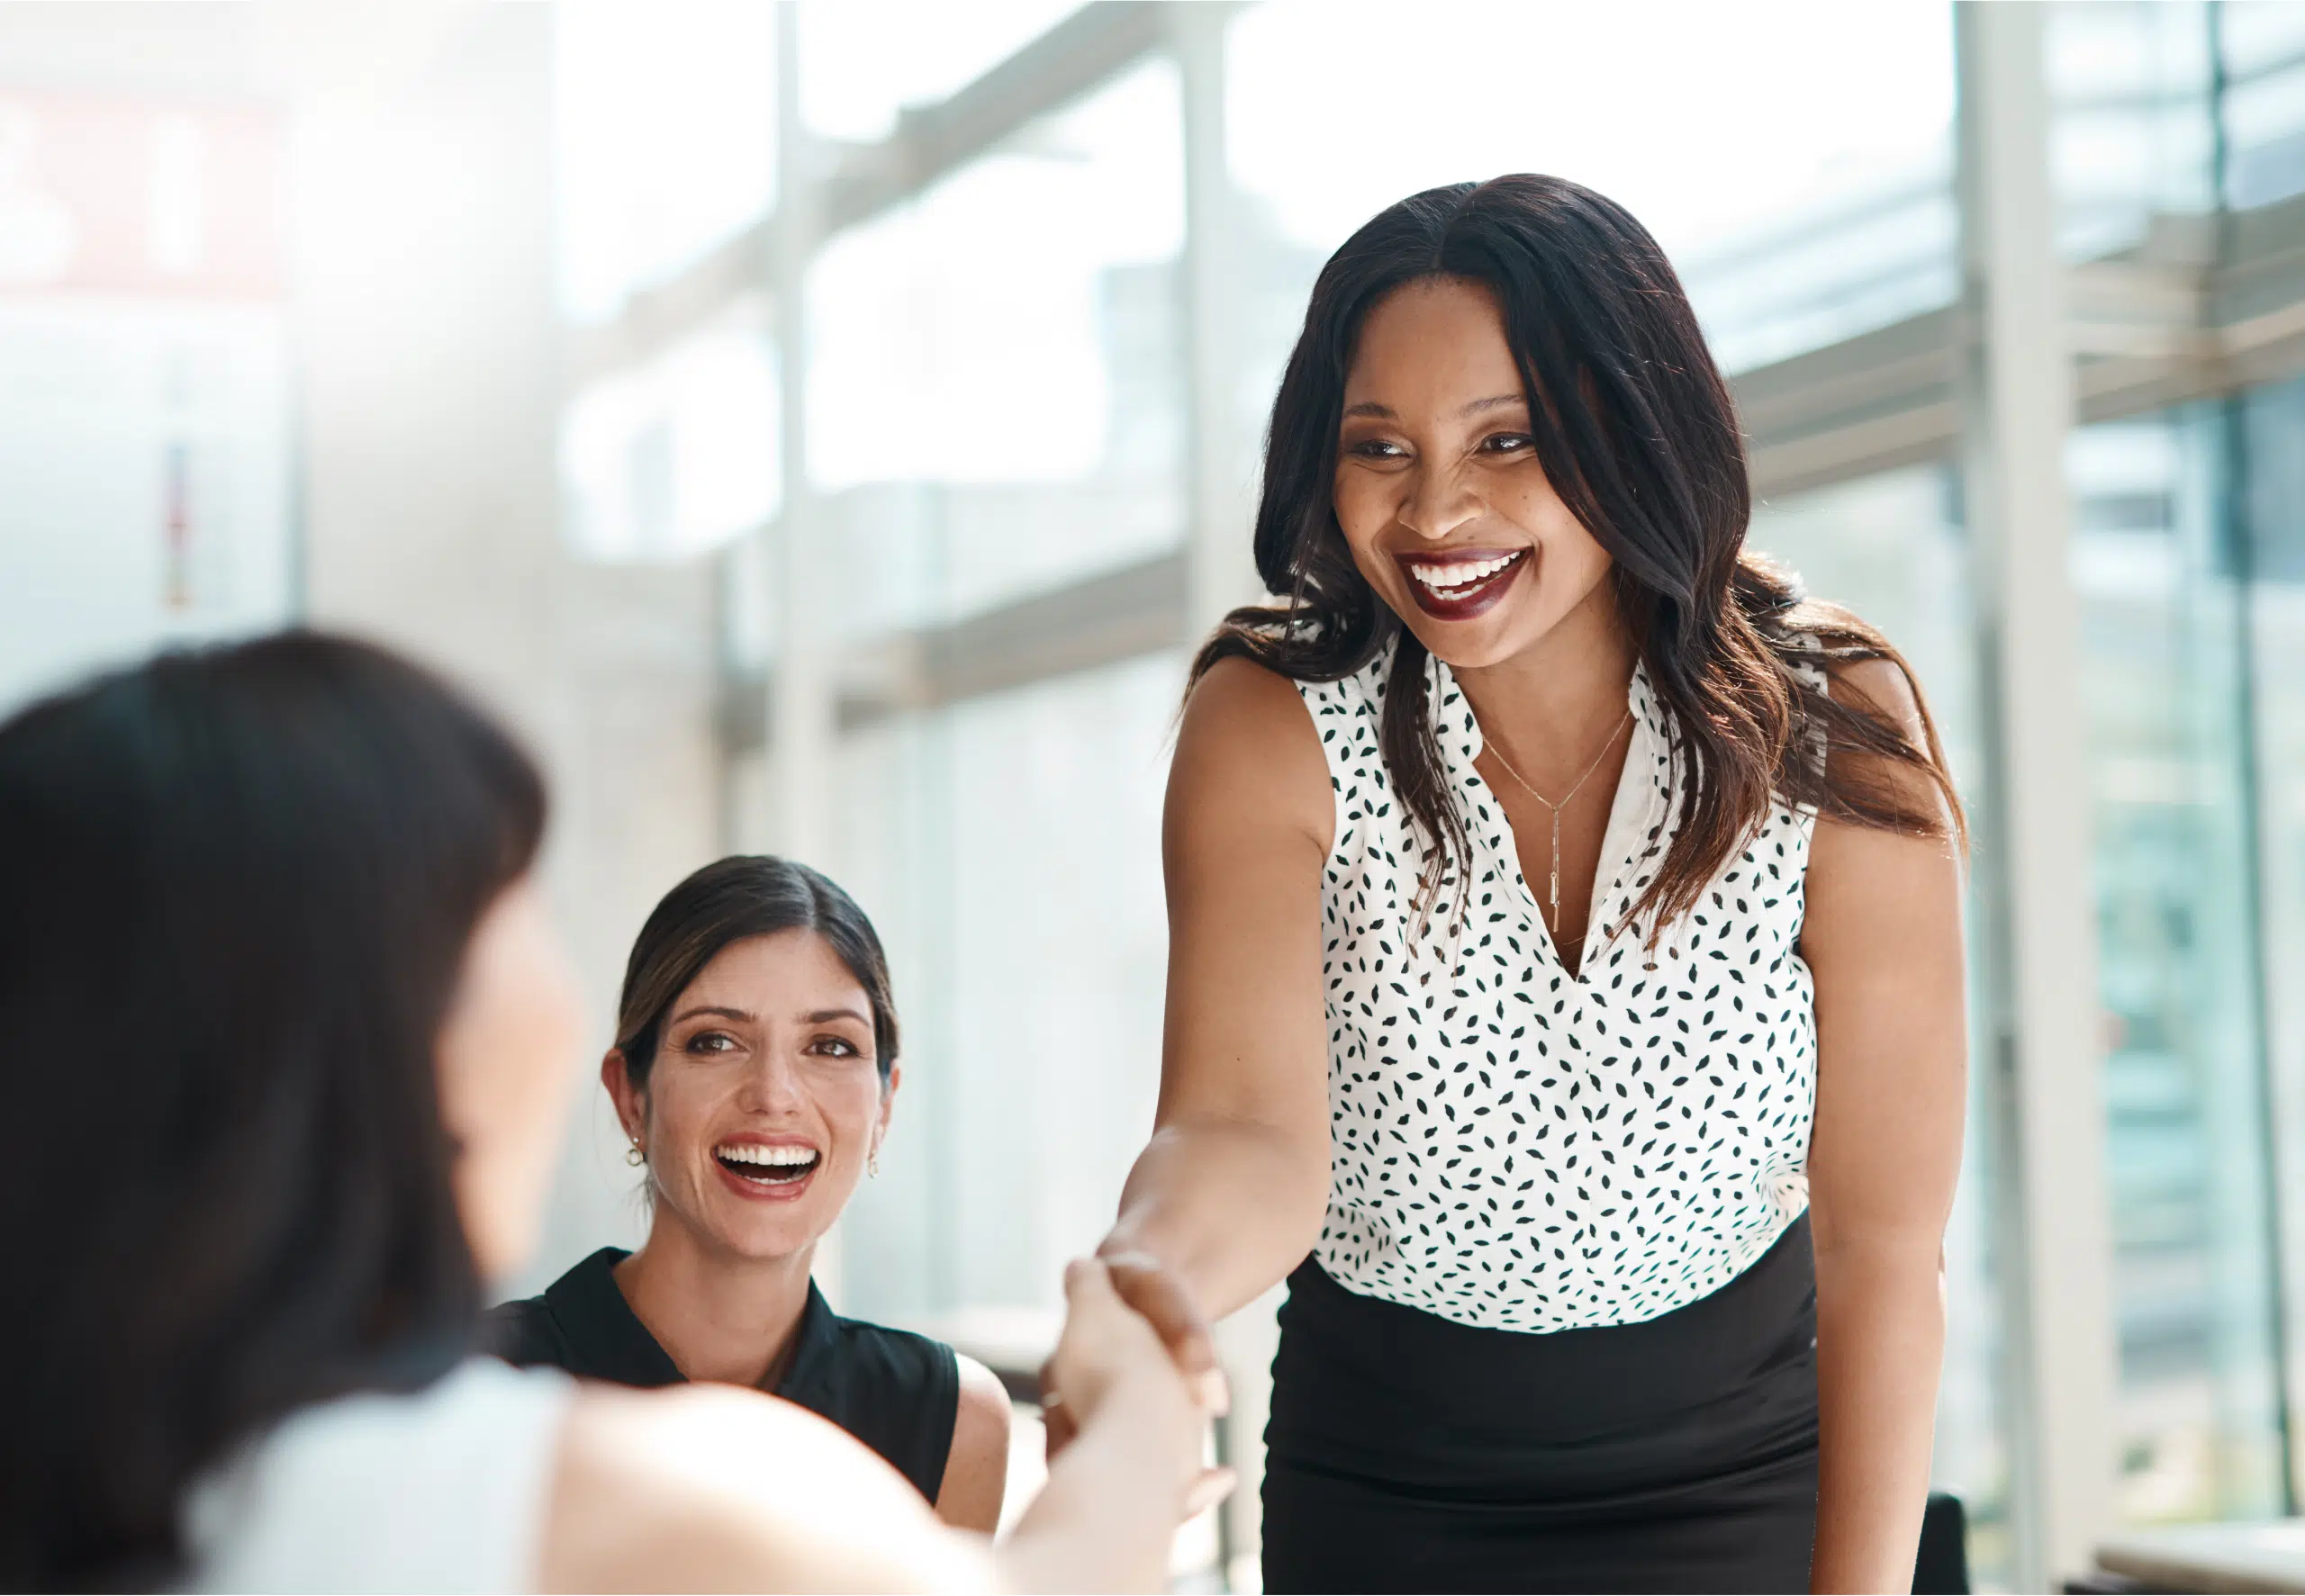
(710,1042)
(834,1047)
(1507,443)
(1377,449)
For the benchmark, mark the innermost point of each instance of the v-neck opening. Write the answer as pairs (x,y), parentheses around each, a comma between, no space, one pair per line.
(1628,807)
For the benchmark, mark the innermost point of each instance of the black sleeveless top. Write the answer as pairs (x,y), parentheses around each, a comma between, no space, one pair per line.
(896,1392)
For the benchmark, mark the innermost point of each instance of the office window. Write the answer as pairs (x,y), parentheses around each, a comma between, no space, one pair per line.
(2164,685)
(1891,548)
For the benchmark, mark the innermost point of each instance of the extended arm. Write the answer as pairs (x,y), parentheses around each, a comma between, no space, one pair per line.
(1228,1194)
(1883,938)
(717,1488)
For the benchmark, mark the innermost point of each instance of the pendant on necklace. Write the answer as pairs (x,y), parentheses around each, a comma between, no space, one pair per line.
(1556,873)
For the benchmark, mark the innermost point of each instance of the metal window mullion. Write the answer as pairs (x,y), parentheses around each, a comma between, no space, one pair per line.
(2017,407)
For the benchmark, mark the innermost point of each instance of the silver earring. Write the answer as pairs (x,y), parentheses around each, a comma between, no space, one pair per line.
(872,1163)
(634,1156)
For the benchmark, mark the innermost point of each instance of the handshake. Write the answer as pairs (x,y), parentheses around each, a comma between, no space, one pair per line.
(1136,1369)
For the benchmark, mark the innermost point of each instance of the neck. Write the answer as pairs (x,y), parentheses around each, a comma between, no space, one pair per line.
(1548,707)
(717,1316)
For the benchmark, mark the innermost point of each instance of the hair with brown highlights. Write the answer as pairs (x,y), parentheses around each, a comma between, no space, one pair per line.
(742,895)
(1637,433)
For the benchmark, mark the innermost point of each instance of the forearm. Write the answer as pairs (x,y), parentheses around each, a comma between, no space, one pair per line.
(1109,1514)
(1880,1343)
(1228,1206)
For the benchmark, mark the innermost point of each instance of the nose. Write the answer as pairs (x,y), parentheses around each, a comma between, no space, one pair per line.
(770,1086)
(1437,500)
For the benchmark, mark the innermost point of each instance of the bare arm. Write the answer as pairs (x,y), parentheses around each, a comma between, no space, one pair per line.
(718,1488)
(1883,938)
(1229,1194)
(976,1467)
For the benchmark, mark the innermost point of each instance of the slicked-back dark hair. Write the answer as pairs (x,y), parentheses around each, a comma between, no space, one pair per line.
(236,887)
(742,895)
(1637,433)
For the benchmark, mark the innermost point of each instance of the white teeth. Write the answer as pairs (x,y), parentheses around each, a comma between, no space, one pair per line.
(1458,573)
(747,1152)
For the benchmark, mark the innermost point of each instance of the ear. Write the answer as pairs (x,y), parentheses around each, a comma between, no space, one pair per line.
(887,1100)
(631,1101)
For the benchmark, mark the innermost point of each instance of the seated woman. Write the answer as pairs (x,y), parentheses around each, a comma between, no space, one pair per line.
(755,1070)
(287,1017)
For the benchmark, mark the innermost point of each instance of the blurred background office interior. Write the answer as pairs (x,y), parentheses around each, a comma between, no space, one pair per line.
(827,429)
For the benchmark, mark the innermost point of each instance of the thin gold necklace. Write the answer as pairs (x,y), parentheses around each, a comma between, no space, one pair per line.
(1554,925)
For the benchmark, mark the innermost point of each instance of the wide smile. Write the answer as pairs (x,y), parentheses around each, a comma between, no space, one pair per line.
(1462,583)
(767,1170)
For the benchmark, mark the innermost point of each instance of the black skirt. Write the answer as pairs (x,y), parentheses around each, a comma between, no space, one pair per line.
(1407,1452)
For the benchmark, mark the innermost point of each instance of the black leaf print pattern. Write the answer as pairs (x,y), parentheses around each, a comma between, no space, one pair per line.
(1515,1147)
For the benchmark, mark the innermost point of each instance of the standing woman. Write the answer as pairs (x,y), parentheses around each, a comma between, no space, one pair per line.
(1566,953)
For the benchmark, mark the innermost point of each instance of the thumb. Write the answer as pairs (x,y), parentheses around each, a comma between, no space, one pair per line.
(1088,1286)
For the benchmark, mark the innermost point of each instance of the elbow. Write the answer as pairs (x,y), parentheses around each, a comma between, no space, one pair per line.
(1308,1206)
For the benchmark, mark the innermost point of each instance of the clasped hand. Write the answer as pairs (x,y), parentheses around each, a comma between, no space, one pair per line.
(1130,1321)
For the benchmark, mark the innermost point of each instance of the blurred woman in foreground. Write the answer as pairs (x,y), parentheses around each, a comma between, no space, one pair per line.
(291,1031)
(754,1073)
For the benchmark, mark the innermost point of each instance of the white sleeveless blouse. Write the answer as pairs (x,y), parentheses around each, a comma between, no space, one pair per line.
(443,1490)
(1516,1147)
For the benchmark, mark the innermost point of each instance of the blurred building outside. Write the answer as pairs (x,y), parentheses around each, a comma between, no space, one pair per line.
(828,430)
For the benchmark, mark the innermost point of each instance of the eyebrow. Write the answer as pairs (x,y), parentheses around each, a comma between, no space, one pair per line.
(818,1018)
(1385,412)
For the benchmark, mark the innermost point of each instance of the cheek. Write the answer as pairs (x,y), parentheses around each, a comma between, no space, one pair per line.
(851,1107)
(1357,500)
(680,1104)
(1569,547)
(1363,510)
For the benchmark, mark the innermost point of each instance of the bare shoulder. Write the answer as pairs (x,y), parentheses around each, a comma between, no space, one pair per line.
(976,1467)
(1247,753)
(666,1490)
(983,1401)
(1879,685)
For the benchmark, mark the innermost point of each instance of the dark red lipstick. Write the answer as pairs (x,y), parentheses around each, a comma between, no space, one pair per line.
(1465,583)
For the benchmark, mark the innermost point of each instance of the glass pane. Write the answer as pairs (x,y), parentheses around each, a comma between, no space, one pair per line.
(660,463)
(1829,122)
(2264,50)
(1891,547)
(2134,128)
(997,388)
(1008,849)
(666,116)
(868,59)
(2199,1420)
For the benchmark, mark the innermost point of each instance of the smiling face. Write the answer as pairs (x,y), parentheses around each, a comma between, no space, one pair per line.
(1448,511)
(764,1102)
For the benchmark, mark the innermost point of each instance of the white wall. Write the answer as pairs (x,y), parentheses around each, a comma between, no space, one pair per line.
(432,385)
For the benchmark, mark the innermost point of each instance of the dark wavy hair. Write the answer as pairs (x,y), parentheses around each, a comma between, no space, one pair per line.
(236,887)
(1636,431)
(732,898)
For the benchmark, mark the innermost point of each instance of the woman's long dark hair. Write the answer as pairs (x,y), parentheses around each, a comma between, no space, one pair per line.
(236,887)
(741,896)
(1636,431)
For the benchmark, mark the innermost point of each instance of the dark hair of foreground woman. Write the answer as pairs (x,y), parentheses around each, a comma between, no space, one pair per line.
(231,915)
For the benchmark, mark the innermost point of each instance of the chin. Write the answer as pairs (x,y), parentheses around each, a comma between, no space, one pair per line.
(1474,644)
(765,1244)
